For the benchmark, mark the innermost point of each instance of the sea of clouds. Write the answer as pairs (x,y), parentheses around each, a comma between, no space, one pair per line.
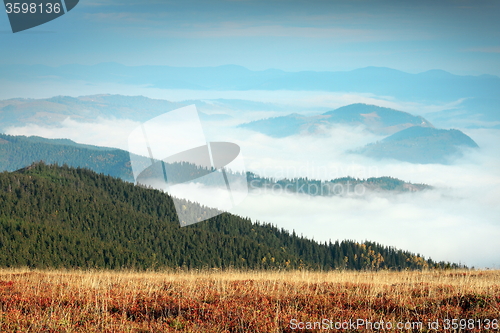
(457,221)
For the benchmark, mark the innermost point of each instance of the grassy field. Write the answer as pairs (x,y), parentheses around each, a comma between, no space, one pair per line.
(254,301)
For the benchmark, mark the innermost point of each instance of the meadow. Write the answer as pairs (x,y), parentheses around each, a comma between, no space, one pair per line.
(249,301)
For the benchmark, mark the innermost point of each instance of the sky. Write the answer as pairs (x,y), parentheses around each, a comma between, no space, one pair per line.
(459,36)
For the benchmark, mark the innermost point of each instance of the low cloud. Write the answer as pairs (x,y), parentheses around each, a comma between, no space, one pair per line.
(436,224)
(458,221)
(103,132)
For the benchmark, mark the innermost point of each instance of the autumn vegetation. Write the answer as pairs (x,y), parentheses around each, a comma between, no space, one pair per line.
(244,301)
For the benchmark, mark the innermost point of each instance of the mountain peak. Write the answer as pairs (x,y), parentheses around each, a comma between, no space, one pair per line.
(452,136)
(422,145)
(377,118)
(437,73)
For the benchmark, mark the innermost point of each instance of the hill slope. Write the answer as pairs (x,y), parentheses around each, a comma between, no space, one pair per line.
(421,145)
(52,111)
(377,119)
(20,151)
(64,217)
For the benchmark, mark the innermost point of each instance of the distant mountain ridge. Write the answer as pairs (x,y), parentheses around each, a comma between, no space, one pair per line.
(345,186)
(52,111)
(432,85)
(478,97)
(383,121)
(470,113)
(379,120)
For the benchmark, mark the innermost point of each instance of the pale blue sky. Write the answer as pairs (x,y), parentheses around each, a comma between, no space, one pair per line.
(459,36)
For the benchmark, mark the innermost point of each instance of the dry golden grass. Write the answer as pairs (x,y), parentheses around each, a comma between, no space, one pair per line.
(238,301)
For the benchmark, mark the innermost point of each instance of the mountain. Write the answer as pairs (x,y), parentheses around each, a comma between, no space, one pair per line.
(17,152)
(379,120)
(470,113)
(433,85)
(52,111)
(283,126)
(53,217)
(421,145)
(20,151)
(412,138)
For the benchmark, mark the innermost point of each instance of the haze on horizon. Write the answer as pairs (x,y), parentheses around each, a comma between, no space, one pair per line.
(461,37)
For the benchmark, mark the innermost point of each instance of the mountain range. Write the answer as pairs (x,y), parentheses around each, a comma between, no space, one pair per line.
(378,120)
(432,85)
(475,99)
(410,138)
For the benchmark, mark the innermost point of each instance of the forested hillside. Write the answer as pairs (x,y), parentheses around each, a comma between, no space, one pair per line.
(17,152)
(53,216)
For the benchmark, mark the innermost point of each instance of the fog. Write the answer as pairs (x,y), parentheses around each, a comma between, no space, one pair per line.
(305,102)
(104,132)
(457,221)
